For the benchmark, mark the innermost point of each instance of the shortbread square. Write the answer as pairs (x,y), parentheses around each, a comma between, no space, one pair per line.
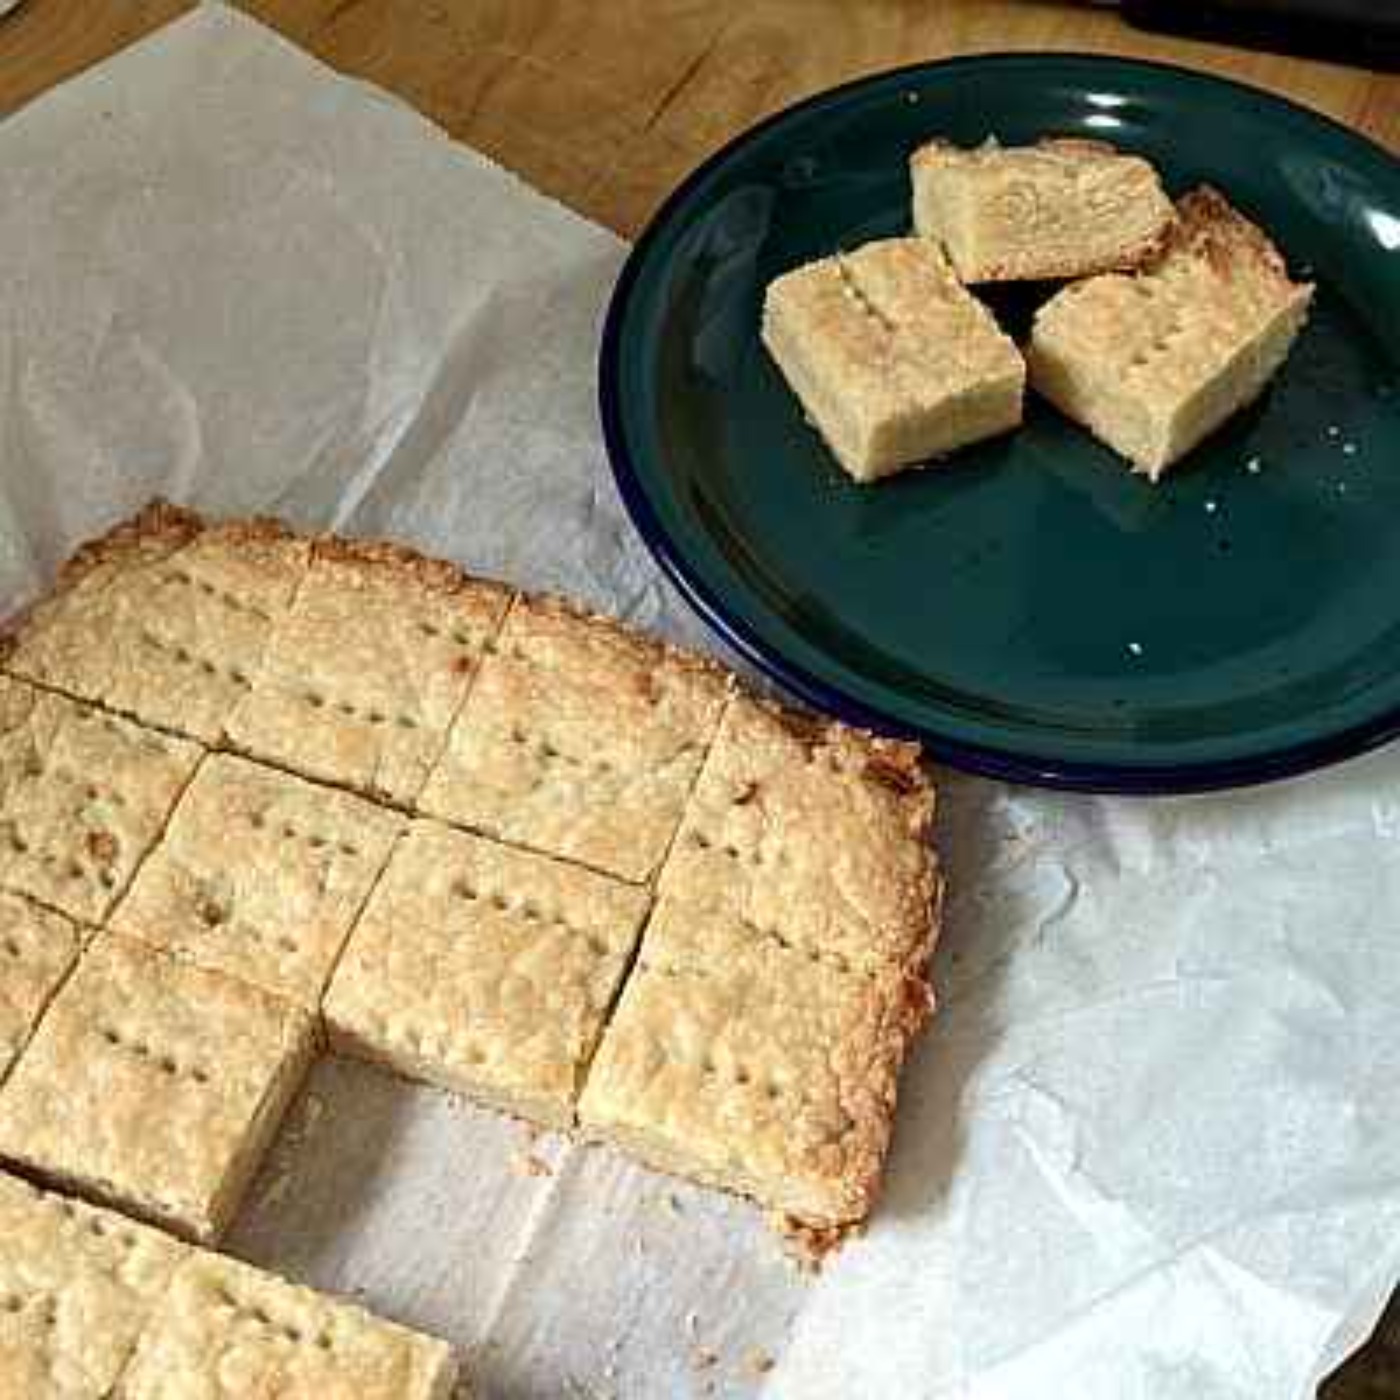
(368,669)
(1155,362)
(154,1086)
(164,619)
(260,875)
(225,1328)
(813,833)
(759,1068)
(77,1285)
(83,796)
(894,361)
(485,970)
(580,739)
(38,948)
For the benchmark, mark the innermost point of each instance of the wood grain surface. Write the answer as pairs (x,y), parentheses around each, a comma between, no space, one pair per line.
(605,104)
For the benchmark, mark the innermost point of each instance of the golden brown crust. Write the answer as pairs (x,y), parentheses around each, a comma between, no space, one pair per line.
(157,528)
(388,557)
(1209,227)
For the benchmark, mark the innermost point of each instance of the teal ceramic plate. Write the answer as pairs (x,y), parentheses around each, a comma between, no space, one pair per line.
(1029,608)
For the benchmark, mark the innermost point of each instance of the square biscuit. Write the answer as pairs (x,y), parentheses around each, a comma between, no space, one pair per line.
(749,1065)
(485,970)
(38,948)
(164,619)
(812,832)
(154,1086)
(83,796)
(225,1328)
(260,875)
(579,739)
(368,669)
(77,1285)
(892,358)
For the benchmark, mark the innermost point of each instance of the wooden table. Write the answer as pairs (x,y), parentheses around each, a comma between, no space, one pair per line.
(605,104)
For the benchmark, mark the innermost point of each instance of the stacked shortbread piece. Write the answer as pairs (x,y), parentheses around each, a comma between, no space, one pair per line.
(262,795)
(1173,319)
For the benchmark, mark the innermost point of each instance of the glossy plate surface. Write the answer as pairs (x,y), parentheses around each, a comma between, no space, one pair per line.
(1029,608)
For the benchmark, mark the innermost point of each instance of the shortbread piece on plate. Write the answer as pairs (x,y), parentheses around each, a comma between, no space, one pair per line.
(751,1065)
(485,970)
(813,833)
(1154,362)
(894,361)
(154,1086)
(580,739)
(77,1285)
(1061,208)
(260,875)
(368,668)
(38,948)
(225,1328)
(165,618)
(83,796)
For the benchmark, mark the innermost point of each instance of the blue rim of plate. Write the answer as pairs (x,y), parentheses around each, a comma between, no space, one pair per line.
(1005,764)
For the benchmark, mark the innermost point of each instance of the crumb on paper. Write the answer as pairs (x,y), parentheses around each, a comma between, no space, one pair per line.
(692,1324)
(673,1203)
(703,1359)
(757,1363)
(531,1164)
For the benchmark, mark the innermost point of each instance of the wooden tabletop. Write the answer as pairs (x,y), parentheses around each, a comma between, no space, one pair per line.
(605,104)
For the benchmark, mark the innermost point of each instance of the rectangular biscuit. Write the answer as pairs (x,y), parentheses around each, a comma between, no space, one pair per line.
(38,948)
(224,1328)
(165,618)
(83,796)
(366,671)
(77,1285)
(579,739)
(757,1067)
(1063,207)
(894,361)
(814,833)
(1154,362)
(260,875)
(154,1086)
(485,970)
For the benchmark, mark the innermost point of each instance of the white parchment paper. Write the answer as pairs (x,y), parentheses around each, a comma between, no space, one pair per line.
(1148,1149)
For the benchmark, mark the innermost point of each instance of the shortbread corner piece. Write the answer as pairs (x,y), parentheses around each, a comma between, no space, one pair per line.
(894,361)
(1155,362)
(77,1286)
(38,948)
(746,1064)
(1061,208)
(154,1086)
(226,1328)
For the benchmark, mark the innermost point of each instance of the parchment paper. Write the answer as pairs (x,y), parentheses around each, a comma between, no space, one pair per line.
(1148,1149)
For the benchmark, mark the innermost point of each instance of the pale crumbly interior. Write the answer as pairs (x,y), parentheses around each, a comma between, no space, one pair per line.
(261,875)
(38,948)
(579,739)
(894,361)
(755,1066)
(1058,209)
(223,1328)
(1154,362)
(154,1086)
(485,970)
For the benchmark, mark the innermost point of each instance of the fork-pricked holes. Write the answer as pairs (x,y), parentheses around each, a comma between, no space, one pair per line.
(527,909)
(163,1061)
(371,715)
(277,1329)
(183,656)
(290,830)
(187,579)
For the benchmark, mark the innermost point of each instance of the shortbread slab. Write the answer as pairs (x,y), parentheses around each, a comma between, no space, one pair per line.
(164,619)
(368,669)
(485,970)
(755,1067)
(814,833)
(225,1328)
(579,739)
(1153,363)
(83,796)
(154,1086)
(894,361)
(1063,207)
(77,1285)
(38,948)
(261,875)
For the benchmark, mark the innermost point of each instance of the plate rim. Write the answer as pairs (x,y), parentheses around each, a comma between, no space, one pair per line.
(1005,763)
